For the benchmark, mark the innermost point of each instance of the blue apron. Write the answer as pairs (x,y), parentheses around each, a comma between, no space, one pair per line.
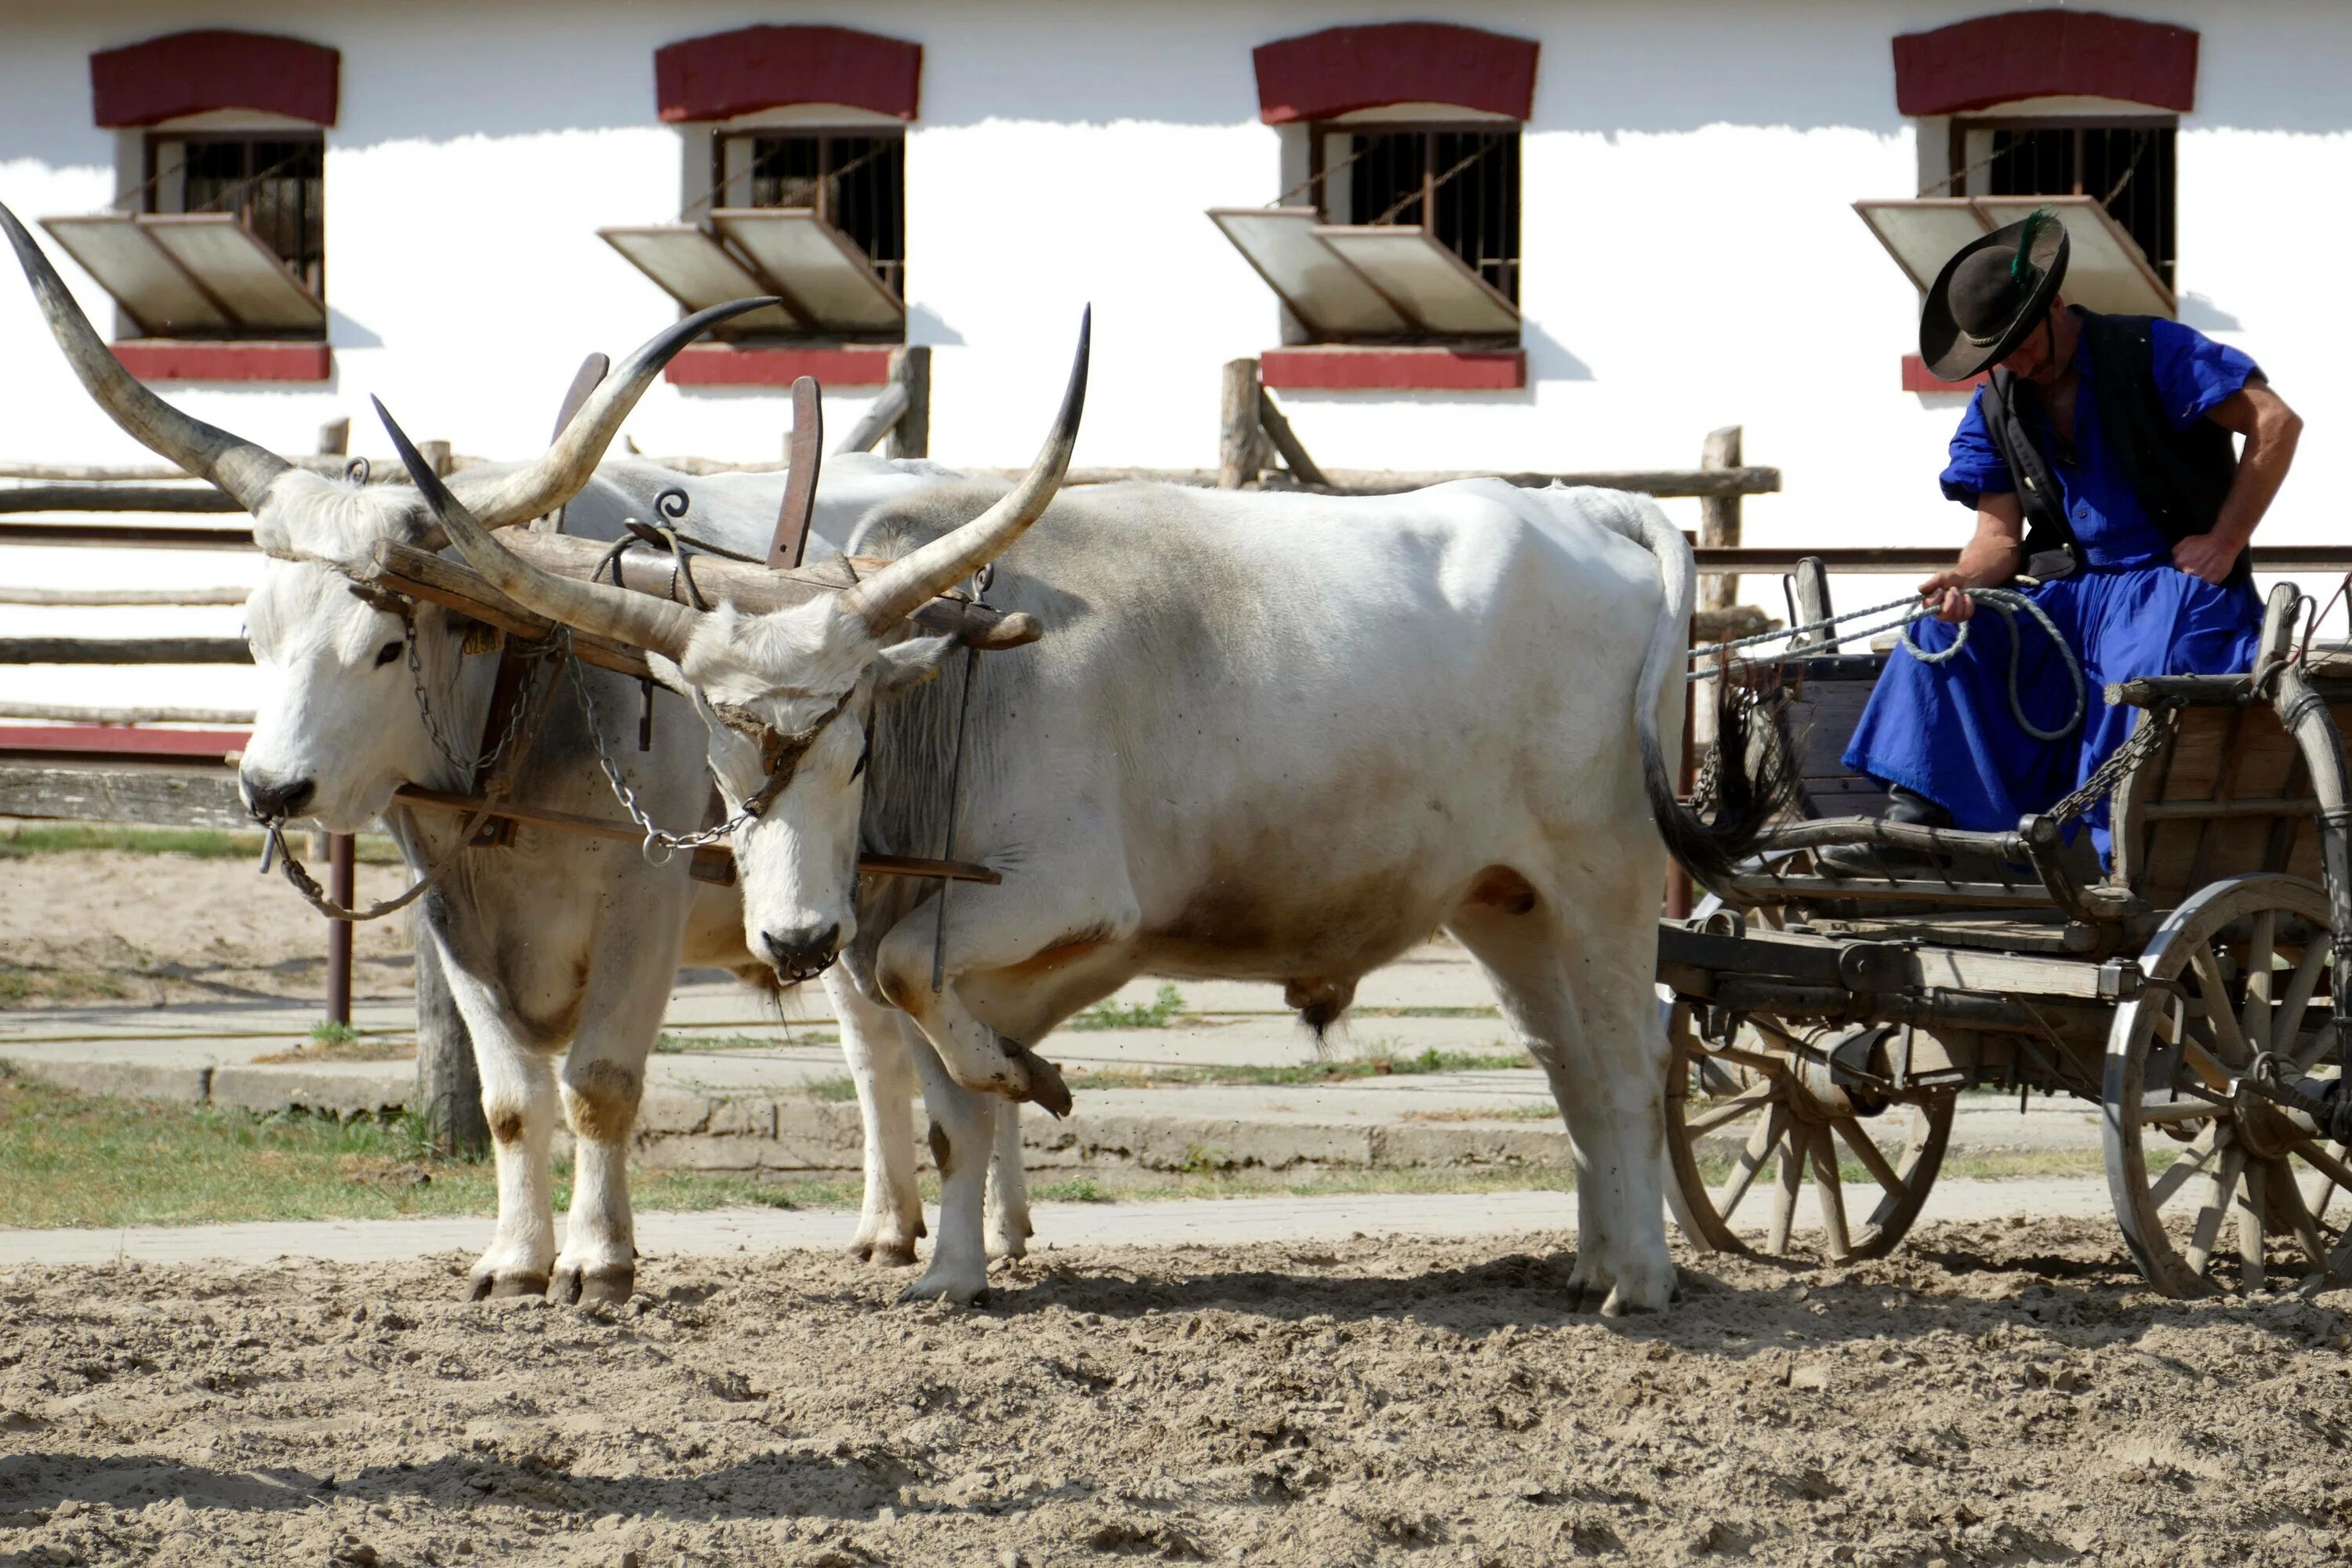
(1946,731)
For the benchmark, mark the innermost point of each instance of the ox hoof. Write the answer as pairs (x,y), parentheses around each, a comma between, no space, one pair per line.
(885,1254)
(1009,1244)
(955,1292)
(1045,1085)
(611,1286)
(507,1287)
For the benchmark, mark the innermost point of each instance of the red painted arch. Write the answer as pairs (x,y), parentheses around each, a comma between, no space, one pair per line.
(2038,53)
(188,73)
(1341,70)
(723,75)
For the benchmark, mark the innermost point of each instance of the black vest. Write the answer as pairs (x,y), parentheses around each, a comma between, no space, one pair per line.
(2180,477)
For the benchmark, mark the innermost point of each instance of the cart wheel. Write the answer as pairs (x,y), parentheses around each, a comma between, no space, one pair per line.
(2240,968)
(1711,1096)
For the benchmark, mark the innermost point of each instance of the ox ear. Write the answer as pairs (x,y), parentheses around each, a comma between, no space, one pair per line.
(906,665)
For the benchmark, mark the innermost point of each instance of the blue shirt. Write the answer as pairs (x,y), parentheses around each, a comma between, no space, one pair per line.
(2193,372)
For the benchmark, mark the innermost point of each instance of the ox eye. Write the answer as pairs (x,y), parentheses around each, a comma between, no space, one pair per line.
(386,654)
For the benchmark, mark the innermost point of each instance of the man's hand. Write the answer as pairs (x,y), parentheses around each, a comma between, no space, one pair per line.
(1947,596)
(2206,556)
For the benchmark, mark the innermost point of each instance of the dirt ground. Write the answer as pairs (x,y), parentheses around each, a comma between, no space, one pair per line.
(101,925)
(2002,1393)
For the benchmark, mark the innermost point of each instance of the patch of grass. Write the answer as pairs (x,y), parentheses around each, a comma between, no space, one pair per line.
(1163,1010)
(1503,1113)
(71,1160)
(202,843)
(333,1032)
(833,1091)
(22,983)
(1381,1061)
(1084,1190)
(341,1043)
(1993,1165)
(667,1044)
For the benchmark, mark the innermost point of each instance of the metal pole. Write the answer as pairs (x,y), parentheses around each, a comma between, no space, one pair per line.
(341,876)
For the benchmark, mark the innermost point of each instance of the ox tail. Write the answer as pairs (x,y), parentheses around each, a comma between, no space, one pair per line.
(1754,780)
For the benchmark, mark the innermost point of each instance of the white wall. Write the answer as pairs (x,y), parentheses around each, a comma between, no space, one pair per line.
(1690,259)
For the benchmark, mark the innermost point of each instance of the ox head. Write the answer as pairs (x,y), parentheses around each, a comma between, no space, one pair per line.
(787,695)
(339,726)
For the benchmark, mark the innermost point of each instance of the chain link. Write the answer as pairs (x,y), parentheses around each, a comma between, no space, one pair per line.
(659,844)
(2143,743)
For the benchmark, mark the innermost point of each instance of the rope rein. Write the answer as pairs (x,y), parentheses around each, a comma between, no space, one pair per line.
(2008,600)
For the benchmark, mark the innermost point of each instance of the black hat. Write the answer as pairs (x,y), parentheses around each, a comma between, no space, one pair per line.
(1991,295)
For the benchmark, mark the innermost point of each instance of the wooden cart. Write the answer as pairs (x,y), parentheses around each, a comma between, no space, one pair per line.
(1824,1027)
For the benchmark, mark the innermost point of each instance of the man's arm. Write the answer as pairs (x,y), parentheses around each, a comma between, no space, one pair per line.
(1991,559)
(2270,429)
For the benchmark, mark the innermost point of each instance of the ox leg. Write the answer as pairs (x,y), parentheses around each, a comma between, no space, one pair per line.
(962,1138)
(883,1068)
(1008,1189)
(604,1080)
(1582,999)
(519,1102)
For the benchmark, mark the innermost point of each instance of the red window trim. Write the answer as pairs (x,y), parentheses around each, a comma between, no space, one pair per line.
(215,67)
(1332,367)
(725,364)
(163,359)
(1917,378)
(2040,53)
(1319,76)
(722,75)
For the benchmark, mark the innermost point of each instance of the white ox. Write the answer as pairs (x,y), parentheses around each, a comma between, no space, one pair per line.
(1266,737)
(556,946)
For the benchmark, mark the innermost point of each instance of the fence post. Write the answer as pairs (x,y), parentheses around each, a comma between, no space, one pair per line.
(1239,434)
(910,367)
(335,437)
(448,1103)
(1811,592)
(1718,518)
(436,454)
(341,887)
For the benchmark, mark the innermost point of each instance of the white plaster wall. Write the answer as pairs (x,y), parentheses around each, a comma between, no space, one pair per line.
(1690,257)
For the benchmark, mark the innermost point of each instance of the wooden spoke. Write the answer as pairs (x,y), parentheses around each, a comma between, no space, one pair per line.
(1872,1158)
(2319,1190)
(1751,1160)
(2306,1055)
(2203,1063)
(2220,1188)
(2286,1202)
(2332,1166)
(1732,1110)
(2252,1207)
(2187,1107)
(1784,1202)
(2213,1001)
(2254,1012)
(2299,992)
(1831,1189)
(2197,1157)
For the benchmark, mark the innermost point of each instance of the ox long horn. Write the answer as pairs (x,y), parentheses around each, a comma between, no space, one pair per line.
(891,595)
(637,620)
(566,467)
(239,466)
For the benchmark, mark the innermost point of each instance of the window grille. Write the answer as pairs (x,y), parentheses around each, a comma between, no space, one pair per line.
(2128,168)
(276,182)
(857,183)
(1462,186)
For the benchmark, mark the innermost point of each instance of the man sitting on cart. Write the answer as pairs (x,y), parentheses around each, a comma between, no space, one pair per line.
(2098,461)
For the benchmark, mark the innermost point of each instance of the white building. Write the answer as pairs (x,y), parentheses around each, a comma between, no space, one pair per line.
(448,207)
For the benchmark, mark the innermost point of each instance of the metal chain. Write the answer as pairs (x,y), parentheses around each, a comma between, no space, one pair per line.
(659,844)
(424,698)
(2125,758)
(497,753)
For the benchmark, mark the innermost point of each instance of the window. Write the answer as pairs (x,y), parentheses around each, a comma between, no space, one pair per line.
(1461,186)
(854,182)
(274,183)
(2126,164)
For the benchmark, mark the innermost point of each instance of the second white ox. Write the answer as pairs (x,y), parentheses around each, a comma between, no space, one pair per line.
(1266,737)
(558,949)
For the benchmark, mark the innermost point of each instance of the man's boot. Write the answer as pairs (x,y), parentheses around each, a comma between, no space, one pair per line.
(1905,806)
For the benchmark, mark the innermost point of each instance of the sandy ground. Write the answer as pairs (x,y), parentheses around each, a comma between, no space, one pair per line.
(1999,1393)
(172,928)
